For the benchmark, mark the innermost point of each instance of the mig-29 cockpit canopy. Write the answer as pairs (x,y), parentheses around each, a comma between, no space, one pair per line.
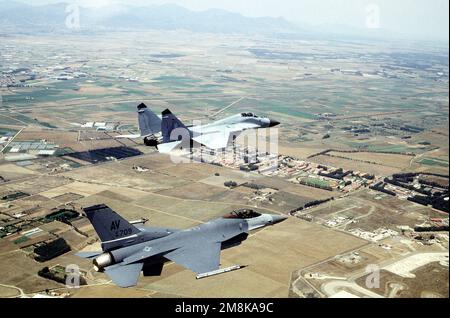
(249,115)
(242,214)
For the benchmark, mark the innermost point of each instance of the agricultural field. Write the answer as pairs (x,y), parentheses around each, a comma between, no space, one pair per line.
(350,164)
(373,108)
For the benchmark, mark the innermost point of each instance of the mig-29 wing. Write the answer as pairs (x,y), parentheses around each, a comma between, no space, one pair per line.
(221,136)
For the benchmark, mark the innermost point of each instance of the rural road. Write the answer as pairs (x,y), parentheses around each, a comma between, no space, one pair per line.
(21,293)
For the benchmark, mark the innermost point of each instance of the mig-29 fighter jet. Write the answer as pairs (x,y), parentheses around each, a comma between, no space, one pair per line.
(168,132)
(130,248)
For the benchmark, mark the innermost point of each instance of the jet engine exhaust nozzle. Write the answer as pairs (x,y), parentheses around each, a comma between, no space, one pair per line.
(103,261)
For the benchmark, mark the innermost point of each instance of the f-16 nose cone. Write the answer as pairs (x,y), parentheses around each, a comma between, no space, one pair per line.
(273,123)
(278,218)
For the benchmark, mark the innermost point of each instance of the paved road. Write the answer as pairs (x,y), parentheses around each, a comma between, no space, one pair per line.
(12,139)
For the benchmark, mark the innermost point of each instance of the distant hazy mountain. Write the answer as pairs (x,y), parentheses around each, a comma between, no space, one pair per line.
(164,17)
(22,15)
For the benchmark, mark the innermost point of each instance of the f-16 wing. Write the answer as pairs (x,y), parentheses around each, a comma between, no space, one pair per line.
(197,259)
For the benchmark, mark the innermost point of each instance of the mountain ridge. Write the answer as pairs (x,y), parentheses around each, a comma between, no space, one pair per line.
(162,17)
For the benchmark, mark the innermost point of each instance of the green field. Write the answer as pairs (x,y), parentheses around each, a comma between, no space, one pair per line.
(125,107)
(434,162)
(58,91)
(314,182)
(287,107)
(175,81)
(9,121)
(295,113)
(20,120)
(21,240)
(6,131)
(385,148)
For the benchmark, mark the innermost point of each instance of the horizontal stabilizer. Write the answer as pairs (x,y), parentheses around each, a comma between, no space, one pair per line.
(168,147)
(124,275)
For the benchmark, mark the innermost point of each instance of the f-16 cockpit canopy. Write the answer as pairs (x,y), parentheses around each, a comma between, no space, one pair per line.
(249,115)
(242,214)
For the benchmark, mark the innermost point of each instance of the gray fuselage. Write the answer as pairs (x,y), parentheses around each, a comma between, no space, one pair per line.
(228,231)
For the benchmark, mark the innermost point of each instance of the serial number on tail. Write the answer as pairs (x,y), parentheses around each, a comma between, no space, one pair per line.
(124,232)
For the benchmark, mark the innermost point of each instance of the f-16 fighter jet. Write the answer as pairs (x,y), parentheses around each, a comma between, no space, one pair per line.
(168,132)
(129,248)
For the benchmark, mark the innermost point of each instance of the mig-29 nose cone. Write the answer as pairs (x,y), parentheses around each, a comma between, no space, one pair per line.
(273,123)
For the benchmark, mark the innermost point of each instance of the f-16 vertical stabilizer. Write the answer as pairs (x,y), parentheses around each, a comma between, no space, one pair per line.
(113,230)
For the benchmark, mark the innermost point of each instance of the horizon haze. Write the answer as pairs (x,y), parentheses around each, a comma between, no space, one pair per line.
(403,19)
